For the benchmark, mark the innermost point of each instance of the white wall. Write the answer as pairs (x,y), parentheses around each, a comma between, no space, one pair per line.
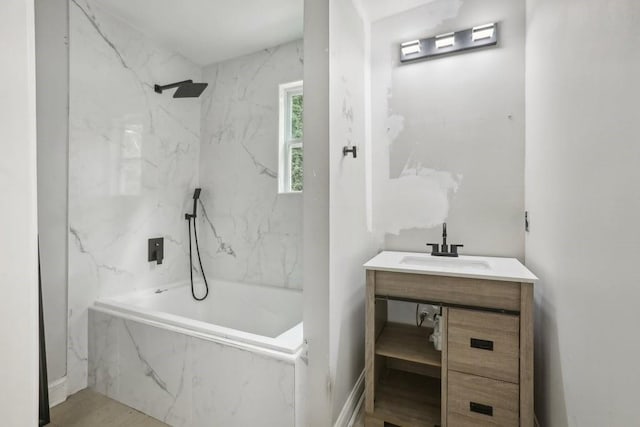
(250,233)
(133,166)
(582,191)
(18,218)
(337,240)
(351,240)
(52,82)
(318,409)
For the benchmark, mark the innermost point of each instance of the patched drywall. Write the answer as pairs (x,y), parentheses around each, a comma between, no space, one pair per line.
(429,191)
(441,152)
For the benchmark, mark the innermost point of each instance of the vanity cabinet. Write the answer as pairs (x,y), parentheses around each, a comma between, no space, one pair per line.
(484,374)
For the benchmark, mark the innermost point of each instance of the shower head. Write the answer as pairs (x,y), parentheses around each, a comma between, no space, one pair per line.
(186,89)
(191,90)
(196,194)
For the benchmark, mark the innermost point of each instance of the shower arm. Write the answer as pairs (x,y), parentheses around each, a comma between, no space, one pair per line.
(159,88)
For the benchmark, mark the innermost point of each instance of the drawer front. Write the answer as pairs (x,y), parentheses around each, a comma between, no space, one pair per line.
(451,290)
(485,344)
(477,401)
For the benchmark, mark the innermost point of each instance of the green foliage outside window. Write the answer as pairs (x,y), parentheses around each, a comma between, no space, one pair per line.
(296,116)
(296,133)
(296,169)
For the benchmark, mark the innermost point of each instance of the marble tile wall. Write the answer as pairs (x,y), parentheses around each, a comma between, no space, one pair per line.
(133,164)
(186,381)
(250,232)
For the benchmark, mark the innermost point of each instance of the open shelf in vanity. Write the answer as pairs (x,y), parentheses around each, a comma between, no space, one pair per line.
(406,398)
(409,380)
(408,342)
(407,374)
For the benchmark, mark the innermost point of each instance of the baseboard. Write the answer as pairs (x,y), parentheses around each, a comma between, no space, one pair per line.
(354,416)
(57,391)
(354,401)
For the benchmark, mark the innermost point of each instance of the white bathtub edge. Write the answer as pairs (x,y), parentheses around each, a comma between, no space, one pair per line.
(282,356)
(286,345)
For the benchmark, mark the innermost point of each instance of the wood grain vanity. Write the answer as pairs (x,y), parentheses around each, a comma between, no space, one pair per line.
(484,374)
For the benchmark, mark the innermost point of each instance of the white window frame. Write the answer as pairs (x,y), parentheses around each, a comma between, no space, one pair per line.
(286,143)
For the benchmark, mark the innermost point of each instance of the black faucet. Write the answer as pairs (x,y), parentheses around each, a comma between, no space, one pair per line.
(443,250)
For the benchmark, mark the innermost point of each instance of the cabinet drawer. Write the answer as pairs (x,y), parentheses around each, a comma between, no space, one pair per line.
(451,290)
(476,401)
(485,344)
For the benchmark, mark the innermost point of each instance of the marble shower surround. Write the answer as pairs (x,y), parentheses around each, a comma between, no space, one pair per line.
(249,232)
(133,163)
(187,381)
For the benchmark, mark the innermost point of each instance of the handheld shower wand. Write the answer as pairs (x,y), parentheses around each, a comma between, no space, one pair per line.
(189,217)
(196,197)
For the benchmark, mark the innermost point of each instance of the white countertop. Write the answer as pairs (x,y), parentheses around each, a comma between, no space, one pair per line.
(475,267)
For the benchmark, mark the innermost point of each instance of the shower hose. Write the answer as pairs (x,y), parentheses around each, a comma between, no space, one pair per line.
(206,285)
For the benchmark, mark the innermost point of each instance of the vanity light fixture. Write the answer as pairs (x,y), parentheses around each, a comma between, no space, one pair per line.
(482,32)
(445,40)
(457,41)
(411,47)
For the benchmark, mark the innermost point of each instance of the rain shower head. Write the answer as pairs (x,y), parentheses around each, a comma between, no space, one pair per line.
(186,89)
(191,90)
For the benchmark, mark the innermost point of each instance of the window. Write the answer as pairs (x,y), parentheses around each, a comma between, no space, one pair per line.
(290,175)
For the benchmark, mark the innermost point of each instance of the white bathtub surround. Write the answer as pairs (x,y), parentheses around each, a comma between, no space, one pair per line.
(259,318)
(132,165)
(187,381)
(188,372)
(141,366)
(250,233)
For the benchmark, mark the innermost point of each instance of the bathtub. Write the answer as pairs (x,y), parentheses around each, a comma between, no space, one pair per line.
(231,360)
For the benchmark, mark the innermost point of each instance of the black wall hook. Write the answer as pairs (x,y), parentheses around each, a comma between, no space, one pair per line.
(353,150)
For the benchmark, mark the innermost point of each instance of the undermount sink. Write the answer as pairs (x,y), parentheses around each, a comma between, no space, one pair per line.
(441,262)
